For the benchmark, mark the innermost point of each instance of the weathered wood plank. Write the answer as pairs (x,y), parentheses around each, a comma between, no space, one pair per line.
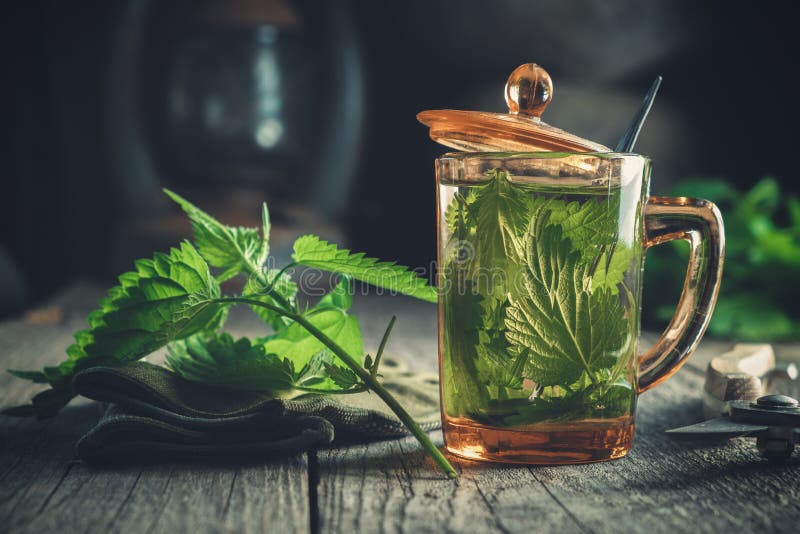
(662,486)
(393,487)
(44,488)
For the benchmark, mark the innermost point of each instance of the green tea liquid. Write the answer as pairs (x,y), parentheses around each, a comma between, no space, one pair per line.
(538,320)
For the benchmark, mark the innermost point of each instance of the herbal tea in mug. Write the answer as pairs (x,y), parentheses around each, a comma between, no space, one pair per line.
(541,253)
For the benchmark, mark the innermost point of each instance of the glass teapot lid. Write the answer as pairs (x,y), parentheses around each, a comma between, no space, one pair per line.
(528,91)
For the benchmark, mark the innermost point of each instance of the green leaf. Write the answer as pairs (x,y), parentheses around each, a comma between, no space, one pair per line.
(763,198)
(759,294)
(284,286)
(234,250)
(793,205)
(463,394)
(591,226)
(455,214)
(311,251)
(221,361)
(564,327)
(750,317)
(166,298)
(496,366)
(459,252)
(313,375)
(343,377)
(297,345)
(607,401)
(500,212)
(609,272)
(341,296)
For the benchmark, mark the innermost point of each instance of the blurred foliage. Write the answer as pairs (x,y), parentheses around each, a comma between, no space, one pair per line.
(760,295)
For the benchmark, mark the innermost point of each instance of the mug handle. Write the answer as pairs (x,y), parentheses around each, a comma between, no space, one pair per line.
(699,222)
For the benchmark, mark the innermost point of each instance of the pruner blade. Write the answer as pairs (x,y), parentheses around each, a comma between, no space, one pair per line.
(774,420)
(719,428)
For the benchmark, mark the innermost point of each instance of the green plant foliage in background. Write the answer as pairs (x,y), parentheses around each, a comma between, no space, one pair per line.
(760,295)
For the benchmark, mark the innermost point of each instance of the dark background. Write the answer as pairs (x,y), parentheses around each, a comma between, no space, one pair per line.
(311,106)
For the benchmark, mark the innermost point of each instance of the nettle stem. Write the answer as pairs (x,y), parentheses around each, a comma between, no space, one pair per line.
(376,364)
(269,285)
(370,380)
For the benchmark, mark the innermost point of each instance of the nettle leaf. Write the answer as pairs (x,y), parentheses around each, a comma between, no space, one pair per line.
(610,267)
(564,327)
(234,250)
(604,402)
(368,362)
(344,377)
(500,212)
(459,253)
(311,251)
(284,286)
(166,298)
(590,226)
(463,394)
(298,345)
(496,365)
(456,212)
(313,375)
(750,316)
(221,361)
(341,296)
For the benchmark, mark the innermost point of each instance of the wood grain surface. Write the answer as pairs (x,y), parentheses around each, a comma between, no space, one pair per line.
(662,486)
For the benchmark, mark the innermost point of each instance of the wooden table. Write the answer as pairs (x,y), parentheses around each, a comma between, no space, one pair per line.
(662,486)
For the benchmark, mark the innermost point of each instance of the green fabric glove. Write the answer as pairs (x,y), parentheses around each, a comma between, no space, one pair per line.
(155,415)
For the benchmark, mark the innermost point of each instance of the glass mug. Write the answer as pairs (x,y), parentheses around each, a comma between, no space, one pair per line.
(540,274)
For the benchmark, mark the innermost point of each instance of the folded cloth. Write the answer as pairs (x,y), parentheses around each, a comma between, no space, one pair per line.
(155,415)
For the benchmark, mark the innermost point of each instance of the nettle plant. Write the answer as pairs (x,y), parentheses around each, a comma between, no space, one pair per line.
(174,301)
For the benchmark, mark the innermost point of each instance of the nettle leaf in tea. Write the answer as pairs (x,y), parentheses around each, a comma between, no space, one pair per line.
(538,313)
(173,300)
(563,324)
(501,211)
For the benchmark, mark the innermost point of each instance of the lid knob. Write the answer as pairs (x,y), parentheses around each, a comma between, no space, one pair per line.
(528,90)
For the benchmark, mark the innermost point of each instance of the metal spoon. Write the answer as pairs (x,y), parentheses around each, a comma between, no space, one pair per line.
(632,133)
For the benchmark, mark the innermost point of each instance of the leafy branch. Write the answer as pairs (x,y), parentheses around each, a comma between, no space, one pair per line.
(165,299)
(173,300)
(365,376)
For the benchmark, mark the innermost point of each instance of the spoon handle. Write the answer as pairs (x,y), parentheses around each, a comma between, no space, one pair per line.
(632,133)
